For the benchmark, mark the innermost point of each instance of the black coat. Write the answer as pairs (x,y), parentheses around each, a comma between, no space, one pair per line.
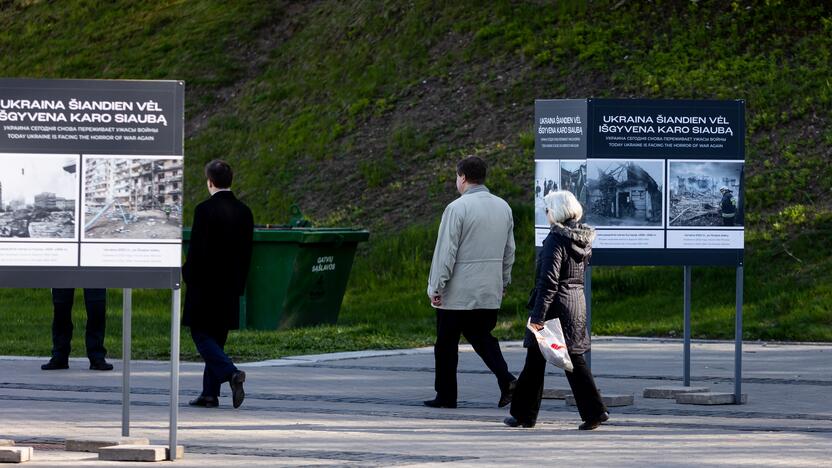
(559,284)
(219,256)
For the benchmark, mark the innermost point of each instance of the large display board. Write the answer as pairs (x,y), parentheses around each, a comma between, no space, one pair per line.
(91,176)
(660,180)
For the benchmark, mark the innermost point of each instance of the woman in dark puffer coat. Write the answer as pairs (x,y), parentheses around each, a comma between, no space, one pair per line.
(559,293)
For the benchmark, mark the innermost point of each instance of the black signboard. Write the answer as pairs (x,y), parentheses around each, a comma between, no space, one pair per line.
(91,178)
(661,180)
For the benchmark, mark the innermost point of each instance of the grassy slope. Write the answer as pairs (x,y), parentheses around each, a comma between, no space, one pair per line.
(358,111)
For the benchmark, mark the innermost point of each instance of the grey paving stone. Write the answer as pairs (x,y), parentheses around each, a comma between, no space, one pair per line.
(709,398)
(15,454)
(556,393)
(609,400)
(139,453)
(89,444)
(670,391)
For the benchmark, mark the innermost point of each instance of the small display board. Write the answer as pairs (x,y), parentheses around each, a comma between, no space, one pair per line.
(91,179)
(660,180)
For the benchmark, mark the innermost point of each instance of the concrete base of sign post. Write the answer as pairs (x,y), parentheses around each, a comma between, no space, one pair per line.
(6,443)
(709,398)
(138,453)
(609,400)
(670,391)
(556,393)
(15,454)
(85,444)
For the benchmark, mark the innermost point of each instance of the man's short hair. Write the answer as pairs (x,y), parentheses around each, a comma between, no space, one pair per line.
(473,168)
(219,173)
(563,206)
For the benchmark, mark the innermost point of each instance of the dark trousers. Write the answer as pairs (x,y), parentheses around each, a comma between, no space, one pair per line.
(526,402)
(218,366)
(95,301)
(476,326)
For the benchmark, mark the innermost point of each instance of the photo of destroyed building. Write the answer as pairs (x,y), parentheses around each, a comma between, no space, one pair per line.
(132,198)
(624,193)
(546,179)
(573,179)
(38,194)
(695,196)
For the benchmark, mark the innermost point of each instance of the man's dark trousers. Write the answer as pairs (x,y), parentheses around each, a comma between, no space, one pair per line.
(95,301)
(218,366)
(476,326)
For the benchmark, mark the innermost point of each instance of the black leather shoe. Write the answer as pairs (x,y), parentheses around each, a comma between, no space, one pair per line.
(593,424)
(100,364)
(506,396)
(237,392)
(55,364)
(438,404)
(511,421)
(205,401)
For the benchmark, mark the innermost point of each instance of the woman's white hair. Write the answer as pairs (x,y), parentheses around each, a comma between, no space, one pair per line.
(562,206)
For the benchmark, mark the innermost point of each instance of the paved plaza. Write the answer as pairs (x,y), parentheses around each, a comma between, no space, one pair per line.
(364,409)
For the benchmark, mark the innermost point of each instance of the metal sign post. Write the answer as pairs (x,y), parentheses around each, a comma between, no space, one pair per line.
(738,341)
(126,342)
(174,372)
(686,352)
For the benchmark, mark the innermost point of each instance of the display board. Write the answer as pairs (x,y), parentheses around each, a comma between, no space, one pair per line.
(660,180)
(91,179)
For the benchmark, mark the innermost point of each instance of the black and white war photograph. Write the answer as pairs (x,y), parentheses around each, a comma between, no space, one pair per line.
(625,193)
(705,193)
(573,179)
(38,194)
(138,198)
(546,179)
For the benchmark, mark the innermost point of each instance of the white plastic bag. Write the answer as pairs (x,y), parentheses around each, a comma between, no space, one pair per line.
(552,344)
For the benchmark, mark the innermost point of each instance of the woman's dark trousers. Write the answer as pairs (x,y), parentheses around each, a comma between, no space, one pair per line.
(527,395)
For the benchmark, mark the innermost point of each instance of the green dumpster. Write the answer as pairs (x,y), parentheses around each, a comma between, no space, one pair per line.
(298,276)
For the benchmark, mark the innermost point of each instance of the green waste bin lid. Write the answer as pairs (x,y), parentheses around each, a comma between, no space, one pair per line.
(303,235)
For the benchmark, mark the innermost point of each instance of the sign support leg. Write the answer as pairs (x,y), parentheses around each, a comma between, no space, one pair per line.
(126,344)
(174,373)
(738,341)
(686,352)
(588,296)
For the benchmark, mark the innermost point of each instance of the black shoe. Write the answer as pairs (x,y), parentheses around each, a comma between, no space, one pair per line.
(237,392)
(593,424)
(205,401)
(55,364)
(100,364)
(511,421)
(505,397)
(438,404)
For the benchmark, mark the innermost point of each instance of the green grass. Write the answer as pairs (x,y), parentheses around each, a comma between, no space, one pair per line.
(288,90)
(386,306)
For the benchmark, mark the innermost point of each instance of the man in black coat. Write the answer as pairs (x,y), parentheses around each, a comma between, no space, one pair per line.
(215,272)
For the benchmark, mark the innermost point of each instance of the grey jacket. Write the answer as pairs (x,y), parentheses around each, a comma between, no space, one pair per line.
(474,252)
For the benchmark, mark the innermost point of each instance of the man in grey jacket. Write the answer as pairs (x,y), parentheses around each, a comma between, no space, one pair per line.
(469,274)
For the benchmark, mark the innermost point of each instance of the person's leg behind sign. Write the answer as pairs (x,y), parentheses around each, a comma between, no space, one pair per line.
(61,328)
(95,301)
(446,358)
(477,326)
